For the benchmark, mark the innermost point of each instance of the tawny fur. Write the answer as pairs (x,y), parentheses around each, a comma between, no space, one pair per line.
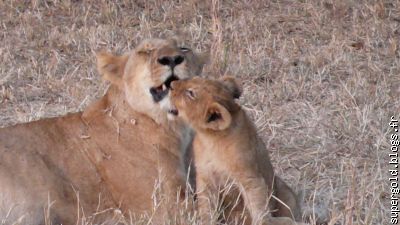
(227,147)
(114,151)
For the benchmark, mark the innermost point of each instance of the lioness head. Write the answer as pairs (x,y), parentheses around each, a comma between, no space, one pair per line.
(145,74)
(205,104)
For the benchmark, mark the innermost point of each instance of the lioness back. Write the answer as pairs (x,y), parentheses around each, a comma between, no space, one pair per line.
(40,163)
(118,153)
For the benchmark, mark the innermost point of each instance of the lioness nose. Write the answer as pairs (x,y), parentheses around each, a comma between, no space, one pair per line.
(171,61)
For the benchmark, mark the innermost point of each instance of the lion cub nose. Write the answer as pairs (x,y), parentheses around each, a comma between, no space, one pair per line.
(171,61)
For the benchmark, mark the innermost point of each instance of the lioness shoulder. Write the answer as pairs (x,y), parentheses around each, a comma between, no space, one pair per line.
(227,148)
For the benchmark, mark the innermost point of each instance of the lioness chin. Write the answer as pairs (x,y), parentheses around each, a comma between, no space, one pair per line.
(111,155)
(227,147)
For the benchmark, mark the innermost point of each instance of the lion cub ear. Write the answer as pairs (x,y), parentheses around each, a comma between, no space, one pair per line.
(111,67)
(233,86)
(217,117)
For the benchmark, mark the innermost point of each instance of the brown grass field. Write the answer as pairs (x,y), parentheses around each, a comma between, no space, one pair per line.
(321,78)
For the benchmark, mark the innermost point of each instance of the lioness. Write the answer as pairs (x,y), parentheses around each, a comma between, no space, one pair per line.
(226,147)
(113,154)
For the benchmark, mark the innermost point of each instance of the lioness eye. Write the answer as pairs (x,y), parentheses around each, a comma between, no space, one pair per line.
(190,94)
(183,49)
(147,51)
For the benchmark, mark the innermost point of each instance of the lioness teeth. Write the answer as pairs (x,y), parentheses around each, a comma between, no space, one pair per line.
(159,92)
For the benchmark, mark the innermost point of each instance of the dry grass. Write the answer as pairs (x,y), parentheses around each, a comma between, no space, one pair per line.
(321,78)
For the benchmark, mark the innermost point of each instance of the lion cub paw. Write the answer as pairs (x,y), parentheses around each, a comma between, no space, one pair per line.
(280,221)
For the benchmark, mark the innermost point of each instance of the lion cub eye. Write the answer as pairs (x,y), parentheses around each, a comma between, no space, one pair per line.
(190,94)
(184,50)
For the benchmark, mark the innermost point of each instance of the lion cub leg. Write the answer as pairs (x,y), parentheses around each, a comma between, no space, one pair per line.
(284,193)
(205,198)
(280,221)
(255,193)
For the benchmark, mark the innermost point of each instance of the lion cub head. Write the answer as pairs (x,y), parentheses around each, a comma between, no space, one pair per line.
(205,104)
(145,74)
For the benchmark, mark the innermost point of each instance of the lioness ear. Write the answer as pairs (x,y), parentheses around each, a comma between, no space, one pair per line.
(217,117)
(111,67)
(198,60)
(233,86)
(173,41)
(146,46)
(204,58)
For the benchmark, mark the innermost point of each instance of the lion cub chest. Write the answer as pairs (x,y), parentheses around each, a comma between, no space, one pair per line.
(222,161)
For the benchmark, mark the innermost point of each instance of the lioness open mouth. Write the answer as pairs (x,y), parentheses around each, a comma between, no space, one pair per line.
(161,91)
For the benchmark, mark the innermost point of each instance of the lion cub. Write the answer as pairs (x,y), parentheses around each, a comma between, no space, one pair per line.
(227,147)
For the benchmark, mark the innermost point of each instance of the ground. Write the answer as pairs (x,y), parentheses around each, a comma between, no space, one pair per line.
(321,78)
